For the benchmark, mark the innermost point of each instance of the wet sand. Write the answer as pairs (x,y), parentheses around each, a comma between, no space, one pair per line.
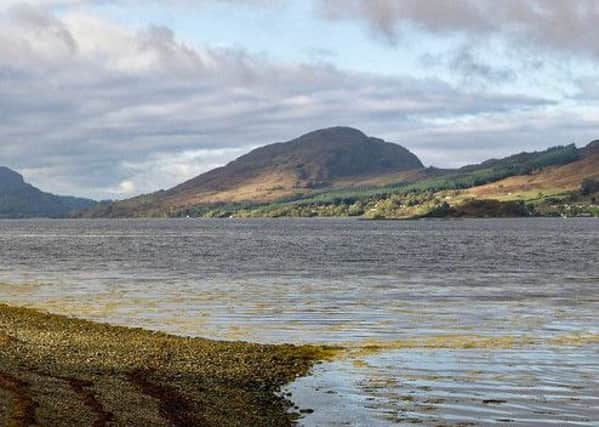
(59,371)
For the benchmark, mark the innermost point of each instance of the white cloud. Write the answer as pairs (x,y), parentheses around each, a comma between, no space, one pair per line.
(125,188)
(159,168)
(91,107)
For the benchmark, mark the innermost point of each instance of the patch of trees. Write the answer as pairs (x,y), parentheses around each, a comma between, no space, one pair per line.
(589,186)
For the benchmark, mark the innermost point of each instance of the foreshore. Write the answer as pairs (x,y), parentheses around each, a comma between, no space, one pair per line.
(60,371)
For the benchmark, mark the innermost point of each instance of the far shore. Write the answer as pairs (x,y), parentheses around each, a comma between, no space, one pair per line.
(59,371)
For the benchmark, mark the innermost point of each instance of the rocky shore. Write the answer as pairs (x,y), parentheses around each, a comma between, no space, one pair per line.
(59,371)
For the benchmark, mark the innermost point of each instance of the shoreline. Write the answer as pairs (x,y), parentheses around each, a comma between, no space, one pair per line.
(61,371)
(279,218)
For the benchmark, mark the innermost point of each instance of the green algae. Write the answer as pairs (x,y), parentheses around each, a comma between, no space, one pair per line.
(454,342)
(575,340)
(465,342)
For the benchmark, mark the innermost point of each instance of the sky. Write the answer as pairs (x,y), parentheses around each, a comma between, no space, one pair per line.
(113,98)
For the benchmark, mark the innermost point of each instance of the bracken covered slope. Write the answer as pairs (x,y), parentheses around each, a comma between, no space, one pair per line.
(557,178)
(315,161)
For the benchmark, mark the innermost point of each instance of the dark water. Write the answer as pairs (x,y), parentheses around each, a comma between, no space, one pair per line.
(445,322)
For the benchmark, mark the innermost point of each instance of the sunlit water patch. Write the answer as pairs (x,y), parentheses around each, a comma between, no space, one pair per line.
(535,386)
(444,322)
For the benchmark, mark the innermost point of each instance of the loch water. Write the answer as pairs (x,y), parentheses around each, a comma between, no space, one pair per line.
(444,322)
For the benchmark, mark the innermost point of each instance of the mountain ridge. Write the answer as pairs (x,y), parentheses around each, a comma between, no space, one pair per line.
(327,142)
(340,171)
(19,199)
(315,160)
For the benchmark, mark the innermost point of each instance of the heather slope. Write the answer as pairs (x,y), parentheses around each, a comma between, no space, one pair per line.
(342,172)
(318,160)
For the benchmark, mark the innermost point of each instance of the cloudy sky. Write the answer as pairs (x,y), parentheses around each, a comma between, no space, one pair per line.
(111,98)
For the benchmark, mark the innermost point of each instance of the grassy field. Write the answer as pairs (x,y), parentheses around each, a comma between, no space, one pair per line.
(58,371)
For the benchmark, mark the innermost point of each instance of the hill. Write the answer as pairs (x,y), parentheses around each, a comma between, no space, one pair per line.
(442,192)
(342,172)
(325,159)
(21,200)
(550,180)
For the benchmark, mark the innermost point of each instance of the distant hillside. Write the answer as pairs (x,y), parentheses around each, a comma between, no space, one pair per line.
(404,195)
(342,172)
(21,200)
(436,192)
(324,159)
(549,180)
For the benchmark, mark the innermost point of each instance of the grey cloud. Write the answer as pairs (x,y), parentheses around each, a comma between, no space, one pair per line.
(4,4)
(468,66)
(559,24)
(471,67)
(503,135)
(94,109)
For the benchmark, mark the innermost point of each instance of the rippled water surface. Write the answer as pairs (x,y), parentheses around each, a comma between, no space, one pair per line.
(444,322)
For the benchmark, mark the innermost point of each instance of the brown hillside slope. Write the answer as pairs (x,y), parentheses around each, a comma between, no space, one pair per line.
(548,180)
(327,158)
